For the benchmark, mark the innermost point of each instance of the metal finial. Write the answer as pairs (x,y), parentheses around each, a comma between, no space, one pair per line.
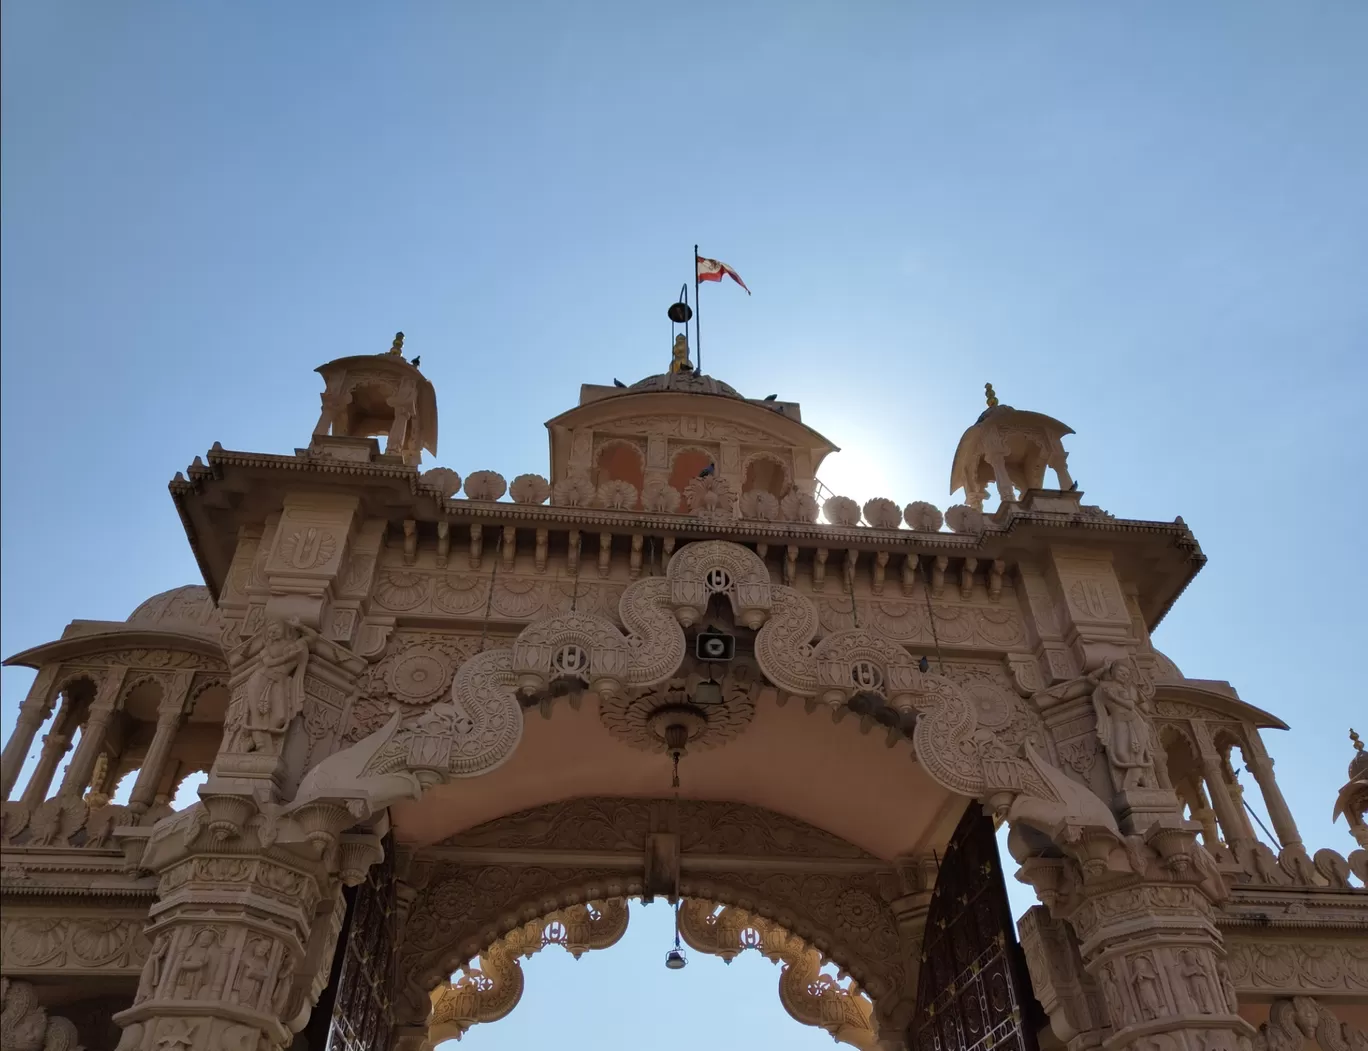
(397,347)
(1358,743)
(990,395)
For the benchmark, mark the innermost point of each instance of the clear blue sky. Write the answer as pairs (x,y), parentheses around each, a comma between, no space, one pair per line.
(1148,220)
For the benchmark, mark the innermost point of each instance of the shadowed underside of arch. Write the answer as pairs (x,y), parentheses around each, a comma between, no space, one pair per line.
(550,875)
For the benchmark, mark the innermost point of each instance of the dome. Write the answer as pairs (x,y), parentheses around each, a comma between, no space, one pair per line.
(686,383)
(189,609)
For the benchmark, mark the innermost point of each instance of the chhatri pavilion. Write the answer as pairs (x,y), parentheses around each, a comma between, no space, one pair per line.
(445,722)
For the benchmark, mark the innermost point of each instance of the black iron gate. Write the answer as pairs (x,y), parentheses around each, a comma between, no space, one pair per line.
(361,1015)
(973,992)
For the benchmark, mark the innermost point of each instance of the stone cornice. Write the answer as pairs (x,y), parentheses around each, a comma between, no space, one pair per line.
(78,646)
(392,485)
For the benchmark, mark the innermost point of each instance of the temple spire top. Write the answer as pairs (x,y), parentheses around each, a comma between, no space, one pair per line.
(397,347)
(991,395)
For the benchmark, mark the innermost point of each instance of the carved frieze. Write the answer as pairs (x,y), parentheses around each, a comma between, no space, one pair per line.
(1285,967)
(55,942)
(623,824)
(906,620)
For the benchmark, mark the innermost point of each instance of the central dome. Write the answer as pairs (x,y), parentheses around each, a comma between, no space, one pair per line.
(686,383)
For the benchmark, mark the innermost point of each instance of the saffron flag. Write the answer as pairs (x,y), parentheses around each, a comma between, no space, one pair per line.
(712,270)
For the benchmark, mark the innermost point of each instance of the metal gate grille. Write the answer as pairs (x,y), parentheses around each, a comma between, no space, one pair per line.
(362,1012)
(972,991)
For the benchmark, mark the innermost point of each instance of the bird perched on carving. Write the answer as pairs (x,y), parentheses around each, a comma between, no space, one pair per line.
(618,383)
(707,470)
(417,361)
(1074,488)
(771,397)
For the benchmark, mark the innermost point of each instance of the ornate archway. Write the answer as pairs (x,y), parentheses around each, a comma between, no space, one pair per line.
(491,990)
(749,878)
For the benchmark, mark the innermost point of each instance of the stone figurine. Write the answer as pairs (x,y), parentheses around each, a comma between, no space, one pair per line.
(197,965)
(275,689)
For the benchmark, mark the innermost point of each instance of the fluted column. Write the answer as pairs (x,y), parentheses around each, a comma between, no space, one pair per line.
(1261,766)
(32,714)
(55,745)
(93,734)
(1283,822)
(1226,812)
(170,716)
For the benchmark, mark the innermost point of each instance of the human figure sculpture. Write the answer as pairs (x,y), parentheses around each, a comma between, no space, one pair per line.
(1148,991)
(1195,979)
(1119,701)
(275,689)
(253,973)
(153,968)
(1122,726)
(196,965)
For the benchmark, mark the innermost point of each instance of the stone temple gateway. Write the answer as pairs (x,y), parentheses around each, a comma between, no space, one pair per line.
(440,719)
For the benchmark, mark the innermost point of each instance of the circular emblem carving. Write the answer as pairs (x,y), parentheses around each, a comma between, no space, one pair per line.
(720,710)
(718,580)
(418,677)
(858,910)
(993,707)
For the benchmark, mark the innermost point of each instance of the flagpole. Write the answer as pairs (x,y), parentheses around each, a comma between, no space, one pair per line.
(698,337)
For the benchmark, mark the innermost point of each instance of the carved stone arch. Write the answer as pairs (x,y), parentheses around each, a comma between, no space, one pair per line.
(71,678)
(850,663)
(619,460)
(751,479)
(787,930)
(717,567)
(142,678)
(490,991)
(580,646)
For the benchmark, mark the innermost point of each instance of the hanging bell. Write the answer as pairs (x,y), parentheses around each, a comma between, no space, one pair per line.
(675,960)
(680,312)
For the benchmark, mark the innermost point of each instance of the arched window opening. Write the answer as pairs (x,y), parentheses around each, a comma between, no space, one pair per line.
(687,465)
(766,473)
(186,791)
(620,461)
(1186,776)
(123,788)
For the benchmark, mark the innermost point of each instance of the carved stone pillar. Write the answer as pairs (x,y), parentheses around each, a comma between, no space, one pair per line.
(242,929)
(1060,982)
(1226,811)
(93,733)
(1261,766)
(33,712)
(1143,918)
(55,745)
(170,715)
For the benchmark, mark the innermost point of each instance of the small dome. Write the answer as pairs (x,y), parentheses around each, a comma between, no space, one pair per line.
(686,383)
(189,609)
